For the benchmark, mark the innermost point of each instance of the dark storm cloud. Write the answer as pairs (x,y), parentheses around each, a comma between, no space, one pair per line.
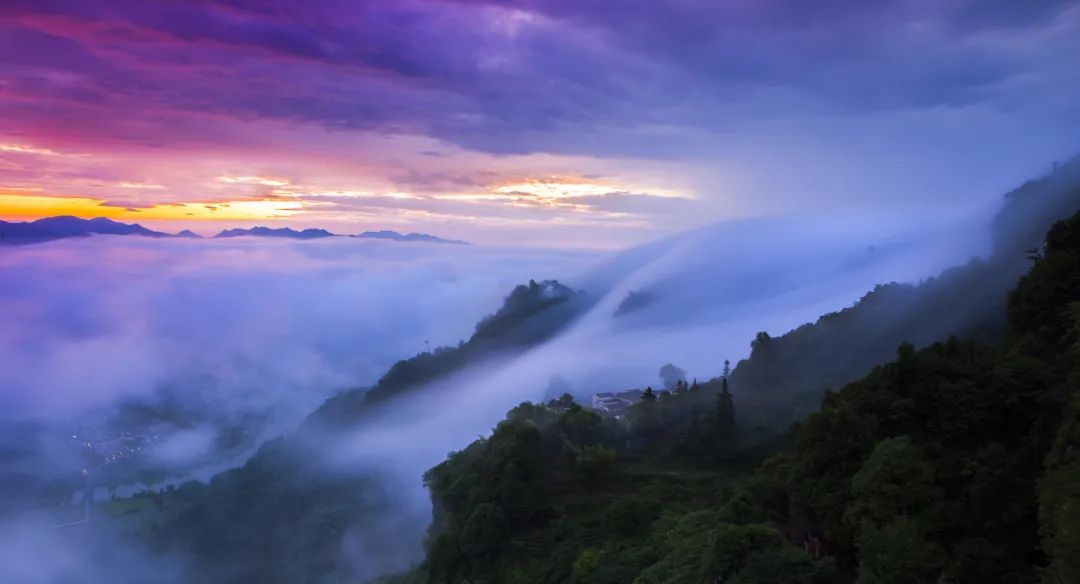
(507,77)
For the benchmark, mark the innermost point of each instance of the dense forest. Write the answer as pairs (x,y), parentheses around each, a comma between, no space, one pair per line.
(952,463)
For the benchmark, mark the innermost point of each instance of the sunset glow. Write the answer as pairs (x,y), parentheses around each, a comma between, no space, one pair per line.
(27,206)
(469,122)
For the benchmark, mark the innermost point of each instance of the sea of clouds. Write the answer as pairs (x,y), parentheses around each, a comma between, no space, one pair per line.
(89,323)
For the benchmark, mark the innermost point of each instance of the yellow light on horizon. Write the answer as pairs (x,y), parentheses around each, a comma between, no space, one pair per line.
(23,206)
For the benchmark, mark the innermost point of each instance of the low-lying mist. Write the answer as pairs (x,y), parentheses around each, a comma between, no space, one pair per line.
(190,352)
(92,320)
(706,295)
(259,332)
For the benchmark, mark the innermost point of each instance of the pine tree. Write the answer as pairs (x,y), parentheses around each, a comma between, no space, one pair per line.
(725,411)
(649,395)
(727,368)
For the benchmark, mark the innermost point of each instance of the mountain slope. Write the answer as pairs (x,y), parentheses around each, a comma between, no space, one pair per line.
(980,422)
(793,369)
(929,469)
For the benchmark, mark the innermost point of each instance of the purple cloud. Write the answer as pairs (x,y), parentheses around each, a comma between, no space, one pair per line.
(485,75)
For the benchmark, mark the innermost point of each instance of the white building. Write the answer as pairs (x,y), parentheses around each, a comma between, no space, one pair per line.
(615,403)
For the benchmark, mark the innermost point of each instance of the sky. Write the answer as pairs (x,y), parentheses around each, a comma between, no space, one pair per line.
(577,123)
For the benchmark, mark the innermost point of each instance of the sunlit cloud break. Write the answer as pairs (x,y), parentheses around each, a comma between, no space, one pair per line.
(21,149)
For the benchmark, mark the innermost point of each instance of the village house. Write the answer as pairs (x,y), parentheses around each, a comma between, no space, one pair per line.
(615,403)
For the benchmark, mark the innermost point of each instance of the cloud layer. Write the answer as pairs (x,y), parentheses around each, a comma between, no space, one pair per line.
(87,321)
(261,322)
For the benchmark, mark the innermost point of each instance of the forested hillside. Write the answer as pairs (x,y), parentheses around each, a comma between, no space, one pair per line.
(792,370)
(952,463)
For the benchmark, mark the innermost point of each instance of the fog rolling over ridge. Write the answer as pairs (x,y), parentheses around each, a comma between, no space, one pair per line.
(180,356)
(798,270)
(286,317)
(275,327)
(702,314)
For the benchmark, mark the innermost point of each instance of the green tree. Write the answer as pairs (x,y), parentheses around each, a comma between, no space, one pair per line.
(484,532)
(630,515)
(1059,501)
(725,411)
(783,565)
(683,544)
(595,463)
(584,566)
(898,553)
(896,480)
(731,546)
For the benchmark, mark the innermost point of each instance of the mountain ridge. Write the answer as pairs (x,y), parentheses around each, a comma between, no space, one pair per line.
(414,236)
(262,231)
(67,226)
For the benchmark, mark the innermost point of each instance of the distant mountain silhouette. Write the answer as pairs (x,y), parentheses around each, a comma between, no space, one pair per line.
(320,233)
(288,232)
(51,228)
(394,235)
